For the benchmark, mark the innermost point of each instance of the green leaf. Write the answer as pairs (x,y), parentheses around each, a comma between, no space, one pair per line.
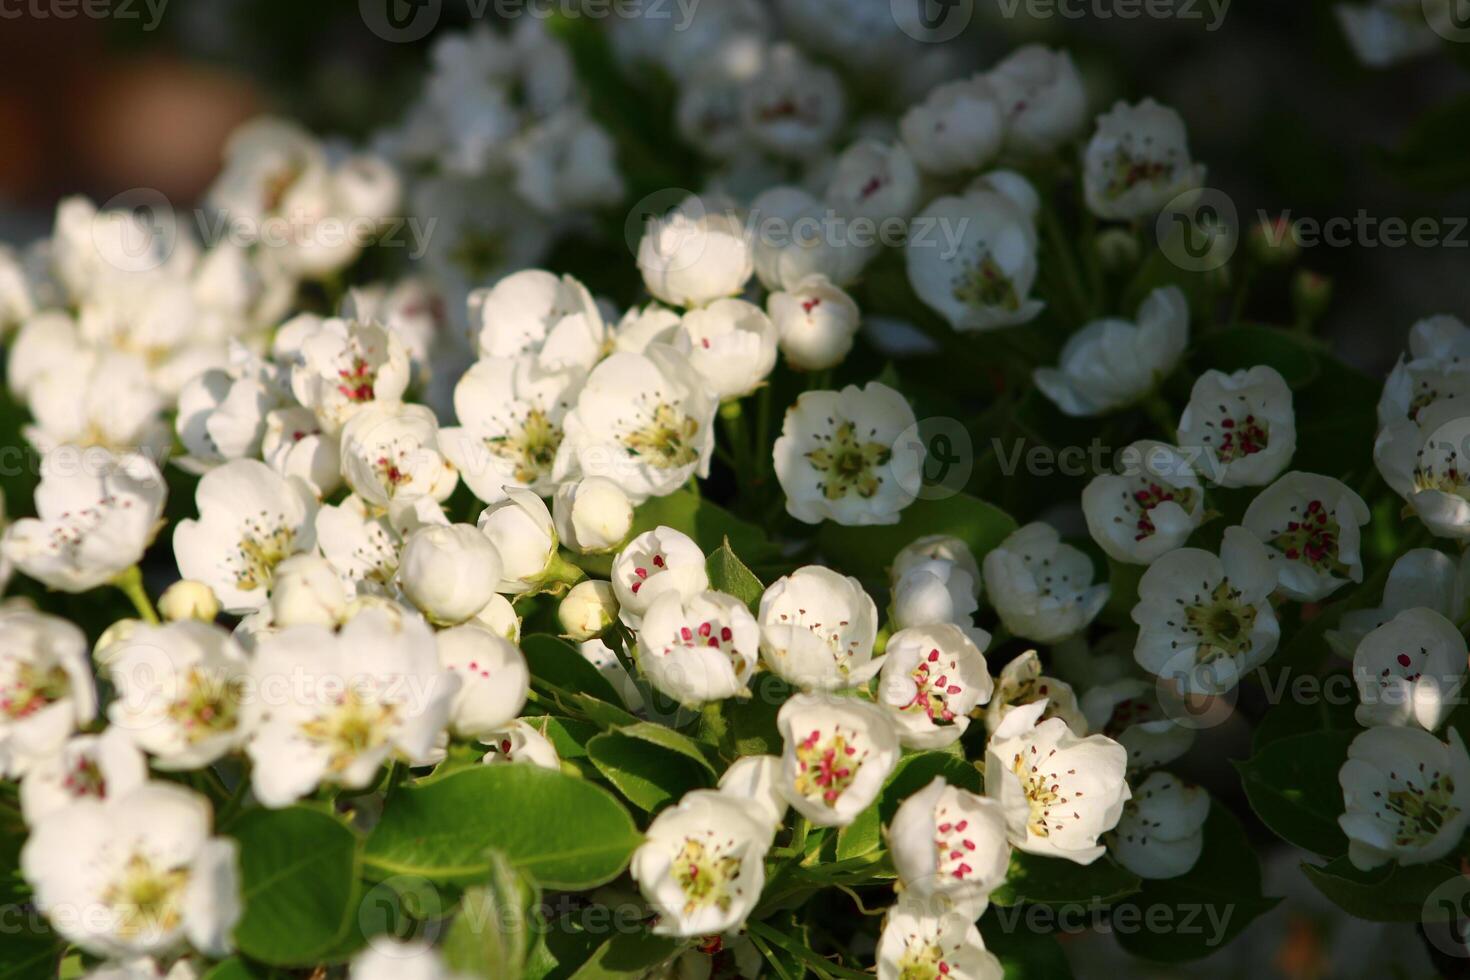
(729,575)
(751,721)
(1173,920)
(566,832)
(558,663)
(867,551)
(493,932)
(1322,712)
(913,773)
(1024,953)
(1388,894)
(567,735)
(709,524)
(1292,786)
(1248,344)
(647,772)
(1434,153)
(627,956)
(1053,881)
(298,883)
(233,968)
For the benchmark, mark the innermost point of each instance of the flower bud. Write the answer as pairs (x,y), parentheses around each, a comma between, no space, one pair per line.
(588,609)
(307,592)
(1117,249)
(1273,241)
(593,515)
(522,531)
(815,321)
(499,617)
(188,599)
(1311,293)
(449,571)
(493,674)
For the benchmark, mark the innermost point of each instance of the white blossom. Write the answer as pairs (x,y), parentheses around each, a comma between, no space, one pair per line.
(818,628)
(654,563)
(924,939)
(932,678)
(84,768)
(46,687)
(1311,527)
(1161,832)
(1147,509)
(592,515)
(1043,99)
(732,346)
(1242,424)
(950,845)
(1410,670)
(1407,796)
(449,571)
(958,127)
(390,451)
(838,754)
(700,648)
(815,322)
(1137,161)
(494,679)
(1042,588)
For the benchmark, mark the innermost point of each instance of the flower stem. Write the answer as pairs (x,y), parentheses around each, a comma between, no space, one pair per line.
(1162,415)
(130,584)
(560,573)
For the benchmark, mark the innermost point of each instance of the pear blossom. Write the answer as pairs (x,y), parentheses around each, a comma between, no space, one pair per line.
(390,451)
(1406,796)
(96,515)
(1421,460)
(923,939)
(1137,161)
(522,743)
(1060,792)
(565,163)
(551,321)
(307,591)
(935,591)
(1147,509)
(84,768)
(651,324)
(345,365)
(1042,588)
(691,257)
(874,181)
(1410,670)
(698,649)
(144,867)
(180,688)
(644,421)
(754,779)
(793,107)
(935,547)
(187,599)
(702,864)
(494,679)
(100,397)
(1243,425)
(797,236)
(588,609)
(410,309)
(732,346)
(1161,832)
(592,515)
(46,688)
(392,959)
(1128,711)
(818,628)
(1112,362)
(250,520)
(1384,32)
(44,343)
(1042,98)
(294,444)
(1205,621)
(499,617)
(524,536)
(449,571)
(836,460)
(362,546)
(656,562)
(958,127)
(838,752)
(1431,372)
(972,259)
(815,322)
(510,413)
(333,707)
(222,412)
(1021,682)
(931,679)
(950,845)
(1420,577)
(1311,526)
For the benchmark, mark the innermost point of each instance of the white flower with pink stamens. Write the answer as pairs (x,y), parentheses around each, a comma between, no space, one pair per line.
(923,939)
(1147,509)
(1406,796)
(331,708)
(702,864)
(250,520)
(818,628)
(1310,525)
(644,421)
(1042,97)
(86,767)
(793,107)
(1021,682)
(345,365)
(1410,670)
(46,688)
(655,562)
(96,515)
(494,679)
(1128,711)
(521,743)
(815,321)
(1242,424)
(390,452)
(137,875)
(698,649)
(932,678)
(950,845)
(1137,161)
(1060,792)
(180,688)
(957,128)
(874,181)
(732,346)
(838,754)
